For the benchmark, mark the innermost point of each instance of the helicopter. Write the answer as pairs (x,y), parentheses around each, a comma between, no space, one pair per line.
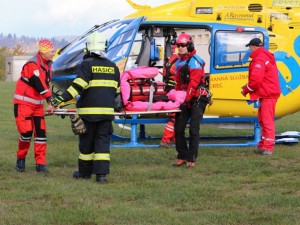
(220,30)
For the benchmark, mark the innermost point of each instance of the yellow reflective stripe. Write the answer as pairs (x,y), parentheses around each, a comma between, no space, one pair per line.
(86,157)
(118,90)
(96,110)
(103,83)
(80,82)
(101,156)
(72,91)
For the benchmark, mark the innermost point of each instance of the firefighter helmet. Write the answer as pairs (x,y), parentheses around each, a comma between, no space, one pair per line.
(96,43)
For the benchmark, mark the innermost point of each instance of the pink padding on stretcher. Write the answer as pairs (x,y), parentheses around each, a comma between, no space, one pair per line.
(176,97)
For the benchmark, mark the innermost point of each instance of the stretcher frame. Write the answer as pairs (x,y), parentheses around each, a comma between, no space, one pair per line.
(289,138)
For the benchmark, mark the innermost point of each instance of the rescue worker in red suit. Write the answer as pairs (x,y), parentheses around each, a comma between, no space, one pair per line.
(190,77)
(31,90)
(97,83)
(169,79)
(263,84)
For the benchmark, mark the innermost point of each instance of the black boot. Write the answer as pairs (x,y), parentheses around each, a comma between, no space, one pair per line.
(41,168)
(20,167)
(78,175)
(101,178)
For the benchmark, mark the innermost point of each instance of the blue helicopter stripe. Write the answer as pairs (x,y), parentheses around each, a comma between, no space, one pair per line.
(256,103)
(69,77)
(294,68)
(297,46)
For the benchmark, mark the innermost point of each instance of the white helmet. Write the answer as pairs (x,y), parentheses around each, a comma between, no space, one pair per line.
(96,43)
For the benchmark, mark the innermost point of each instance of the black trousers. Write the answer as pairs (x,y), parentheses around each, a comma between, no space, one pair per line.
(195,112)
(94,148)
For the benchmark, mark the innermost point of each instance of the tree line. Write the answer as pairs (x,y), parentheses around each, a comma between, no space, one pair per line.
(12,45)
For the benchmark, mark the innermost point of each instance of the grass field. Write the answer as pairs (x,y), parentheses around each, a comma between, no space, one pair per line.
(228,185)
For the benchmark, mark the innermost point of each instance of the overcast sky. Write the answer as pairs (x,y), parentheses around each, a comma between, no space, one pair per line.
(49,18)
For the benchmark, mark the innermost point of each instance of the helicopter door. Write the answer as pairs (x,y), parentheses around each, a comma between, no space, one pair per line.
(230,61)
(119,48)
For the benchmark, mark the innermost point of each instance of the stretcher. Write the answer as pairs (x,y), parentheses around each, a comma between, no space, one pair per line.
(136,118)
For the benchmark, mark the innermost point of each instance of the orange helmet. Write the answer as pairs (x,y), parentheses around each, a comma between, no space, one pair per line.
(184,38)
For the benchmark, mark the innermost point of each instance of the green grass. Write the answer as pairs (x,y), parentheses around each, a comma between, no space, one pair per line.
(228,185)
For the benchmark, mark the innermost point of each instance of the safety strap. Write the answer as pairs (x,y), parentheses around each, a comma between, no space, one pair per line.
(150,97)
(143,58)
(185,75)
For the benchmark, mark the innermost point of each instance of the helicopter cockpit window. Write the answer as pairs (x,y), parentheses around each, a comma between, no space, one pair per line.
(120,45)
(230,50)
(126,36)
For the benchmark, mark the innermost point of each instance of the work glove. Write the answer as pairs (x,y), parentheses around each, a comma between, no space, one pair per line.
(242,92)
(184,106)
(57,101)
(78,126)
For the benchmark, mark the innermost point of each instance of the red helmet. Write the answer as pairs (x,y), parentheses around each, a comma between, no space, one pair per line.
(184,38)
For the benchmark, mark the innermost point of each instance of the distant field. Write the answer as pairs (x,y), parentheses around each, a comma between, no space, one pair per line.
(228,185)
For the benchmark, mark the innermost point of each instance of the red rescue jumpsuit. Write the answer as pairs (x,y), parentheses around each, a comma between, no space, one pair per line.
(31,90)
(263,84)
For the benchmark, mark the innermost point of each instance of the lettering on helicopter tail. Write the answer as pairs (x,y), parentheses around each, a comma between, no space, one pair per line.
(297,46)
(256,103)
(103,69)
(286,3)
(293,66)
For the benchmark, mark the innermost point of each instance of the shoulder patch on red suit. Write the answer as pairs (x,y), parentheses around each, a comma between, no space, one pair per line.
(36,73)
(257,66)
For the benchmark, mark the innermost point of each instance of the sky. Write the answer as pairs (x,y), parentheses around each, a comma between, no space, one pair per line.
(52,18)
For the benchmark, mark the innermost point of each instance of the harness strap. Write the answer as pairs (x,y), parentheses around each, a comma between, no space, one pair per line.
(168,66)
(150,98)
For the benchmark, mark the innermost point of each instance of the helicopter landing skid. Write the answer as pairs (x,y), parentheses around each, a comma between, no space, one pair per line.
(135,121)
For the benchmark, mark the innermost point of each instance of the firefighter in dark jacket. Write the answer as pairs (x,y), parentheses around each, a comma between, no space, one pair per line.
(97,83)
(31,90)
(190,77)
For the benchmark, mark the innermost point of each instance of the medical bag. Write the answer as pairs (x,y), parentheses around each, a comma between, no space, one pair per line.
(140,89)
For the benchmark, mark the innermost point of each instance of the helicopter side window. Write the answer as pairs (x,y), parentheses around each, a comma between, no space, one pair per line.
(134,52)
(230,50)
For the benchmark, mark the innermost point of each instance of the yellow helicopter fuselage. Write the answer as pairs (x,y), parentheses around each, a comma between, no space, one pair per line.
(279,19)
